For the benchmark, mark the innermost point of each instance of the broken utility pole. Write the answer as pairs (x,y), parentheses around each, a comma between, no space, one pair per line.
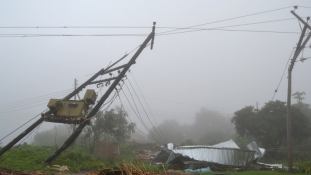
(77,90)
(104,97)
(300,45)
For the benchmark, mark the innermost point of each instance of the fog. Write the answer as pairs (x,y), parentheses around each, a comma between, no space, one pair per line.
(216,70)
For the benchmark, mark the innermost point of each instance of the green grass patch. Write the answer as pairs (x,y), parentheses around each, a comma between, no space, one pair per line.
(31,158)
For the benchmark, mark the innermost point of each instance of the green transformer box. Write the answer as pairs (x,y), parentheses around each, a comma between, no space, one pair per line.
(70,111)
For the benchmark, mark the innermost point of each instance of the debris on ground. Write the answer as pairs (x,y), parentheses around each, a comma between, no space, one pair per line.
(59,168)
(4,171)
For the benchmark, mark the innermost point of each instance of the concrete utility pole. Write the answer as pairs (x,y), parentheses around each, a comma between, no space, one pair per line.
(111,88)
(75,85)
(69,96)
(300,45)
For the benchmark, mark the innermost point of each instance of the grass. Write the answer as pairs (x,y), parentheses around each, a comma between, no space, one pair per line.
(31,158)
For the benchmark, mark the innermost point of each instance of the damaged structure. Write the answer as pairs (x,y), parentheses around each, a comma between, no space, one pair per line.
(225,154)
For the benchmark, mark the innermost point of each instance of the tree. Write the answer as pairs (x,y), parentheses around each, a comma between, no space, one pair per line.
(299,96)
(268,125)
(112,125)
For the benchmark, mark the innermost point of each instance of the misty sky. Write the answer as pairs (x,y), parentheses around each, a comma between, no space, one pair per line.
(216,69)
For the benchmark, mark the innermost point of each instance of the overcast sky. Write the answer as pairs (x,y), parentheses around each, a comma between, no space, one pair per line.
(216,69)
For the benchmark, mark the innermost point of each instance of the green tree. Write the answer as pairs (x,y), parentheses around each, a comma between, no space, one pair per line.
(112,125)
(268,125)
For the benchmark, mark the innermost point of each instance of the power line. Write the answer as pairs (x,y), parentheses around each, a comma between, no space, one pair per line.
(27,107)
(68,35)
(229,19)
(176,28)
(160,136)
(231,30)
(139,115)
(236,25)
(159,34)
(75,27)
(37,127)
(146,104)
(31,102)
(36,97)
(23,124)
(305,7)
(283,74)
(132,122)
(140,119)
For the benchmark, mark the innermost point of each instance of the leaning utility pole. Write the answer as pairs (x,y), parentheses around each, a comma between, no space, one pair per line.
(105,96)
(109,69)
(300,45)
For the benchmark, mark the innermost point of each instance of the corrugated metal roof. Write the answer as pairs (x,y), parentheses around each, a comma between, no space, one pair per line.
(226,153)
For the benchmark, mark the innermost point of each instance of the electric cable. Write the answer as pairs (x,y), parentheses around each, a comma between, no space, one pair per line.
(232,30)
(305,7)
(161,135)
(36,97)
(157,136)
(151,134)
(228,19)
(23,125)
(69,35)
(36,128)
(132,121)
(282,74)
(155,128)
(140,117)
(236,25)
(158,34)
(31,102)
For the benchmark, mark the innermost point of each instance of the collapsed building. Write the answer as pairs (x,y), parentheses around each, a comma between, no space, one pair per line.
(225,154)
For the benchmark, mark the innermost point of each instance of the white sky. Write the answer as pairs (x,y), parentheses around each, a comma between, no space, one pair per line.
(218,70)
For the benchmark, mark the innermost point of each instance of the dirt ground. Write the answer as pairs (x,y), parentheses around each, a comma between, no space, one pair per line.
(4,171)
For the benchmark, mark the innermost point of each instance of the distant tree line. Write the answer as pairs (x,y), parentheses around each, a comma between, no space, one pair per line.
(266,126)
(209,127)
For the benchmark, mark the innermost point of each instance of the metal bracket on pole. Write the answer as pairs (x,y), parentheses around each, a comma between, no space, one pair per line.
(301,20)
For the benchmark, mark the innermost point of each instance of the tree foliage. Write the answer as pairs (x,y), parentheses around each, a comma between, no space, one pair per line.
(268,125)
(112,125)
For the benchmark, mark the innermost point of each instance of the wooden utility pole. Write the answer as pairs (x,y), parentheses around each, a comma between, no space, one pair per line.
(300,45)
